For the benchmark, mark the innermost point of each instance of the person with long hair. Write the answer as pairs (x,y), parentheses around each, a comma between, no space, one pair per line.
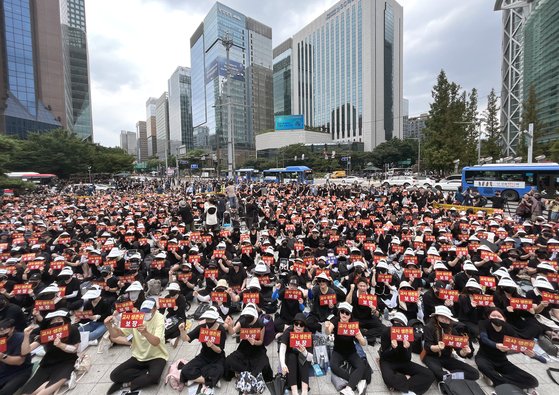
(295,362)
(438,355)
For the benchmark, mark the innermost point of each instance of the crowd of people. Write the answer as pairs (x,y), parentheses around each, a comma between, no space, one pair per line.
(317,274)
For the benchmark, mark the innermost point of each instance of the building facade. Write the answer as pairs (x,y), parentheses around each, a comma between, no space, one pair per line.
(180,110)
(142,139)
(128,142)
(282,78)
(162,126)
(415,126)
(247,90)
(151,129)
(347,72)
(44,67)
(541,65)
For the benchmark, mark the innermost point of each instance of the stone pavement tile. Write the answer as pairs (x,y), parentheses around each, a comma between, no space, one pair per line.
(99,389)
(95,374)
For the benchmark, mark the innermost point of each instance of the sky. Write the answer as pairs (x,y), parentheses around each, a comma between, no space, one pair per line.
(135,46)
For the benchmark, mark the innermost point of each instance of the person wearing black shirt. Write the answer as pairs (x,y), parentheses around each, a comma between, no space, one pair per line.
(290,306)
(12,311)
(438,356)
(498,201)
(323,305)
(251,354)
(57,365)
(295,361)
(176,314)
(491,357)
(397,369)
(100,309)
(15,369)
(368,317)
(345,350)
(208,367)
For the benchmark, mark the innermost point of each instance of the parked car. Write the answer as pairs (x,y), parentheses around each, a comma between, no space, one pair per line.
(353,179)
(404,181)
(426,182)
(450,183)
(338,174)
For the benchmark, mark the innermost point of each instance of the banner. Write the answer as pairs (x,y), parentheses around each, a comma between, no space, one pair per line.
(131,320)
(455,341)
(167,303)
(253,297)
(483,300)
(368,301)
(517,344)
(300,339)
(521,303)
(348,328)
(59,332)
(408,296)
(248,333)
(328,299)
(209,335)
(401,333)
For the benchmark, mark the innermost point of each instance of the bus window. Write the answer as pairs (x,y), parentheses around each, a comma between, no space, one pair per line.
(529,179)
(512,176)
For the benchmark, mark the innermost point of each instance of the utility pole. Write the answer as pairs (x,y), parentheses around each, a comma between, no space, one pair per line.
(531,145)
(227,42)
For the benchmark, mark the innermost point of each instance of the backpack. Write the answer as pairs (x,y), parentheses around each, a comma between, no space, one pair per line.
(508,389)
(460,387)
(270,331)
(154,287)
(173,377)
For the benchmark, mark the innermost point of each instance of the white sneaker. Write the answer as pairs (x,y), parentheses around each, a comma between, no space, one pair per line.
(409,393)
(347,391)
(93,342)
(361,386)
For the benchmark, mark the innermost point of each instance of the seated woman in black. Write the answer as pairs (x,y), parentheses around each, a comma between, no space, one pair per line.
(251,354)
(438,356)
(369,322)
(344,350)
(295,362)
(491,358)
(15,368)
(57,365)
(469,311)
(397,369)
(208,366)
(176,313)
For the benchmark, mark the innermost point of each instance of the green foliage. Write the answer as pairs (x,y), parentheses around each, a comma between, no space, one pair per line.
(554,151)
(490,146)
(63,153)
(394,151)
(8,147)
(16,185)
(451,131)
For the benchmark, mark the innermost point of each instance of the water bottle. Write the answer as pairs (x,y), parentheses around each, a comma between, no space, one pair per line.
(385,314)
(322,362)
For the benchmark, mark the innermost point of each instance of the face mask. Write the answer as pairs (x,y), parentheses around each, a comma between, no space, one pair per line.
(444,325)
(209,323)
(397,323)
(134,295)
(497,322)
(173,293)
(105,274)
(63,279)
(55,324)
(148,316)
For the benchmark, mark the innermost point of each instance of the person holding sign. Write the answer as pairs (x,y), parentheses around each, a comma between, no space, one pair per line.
(346,333)
(251,354)
(95,309)
(438,352)
(60,341)
(149,352)
(519,312)
(208,367)
(408,301)
(471,307)
(173,306)
(491,358)
(324,302)
(292,303)
(397,369)
(365,309)
(296,355)
(15,369)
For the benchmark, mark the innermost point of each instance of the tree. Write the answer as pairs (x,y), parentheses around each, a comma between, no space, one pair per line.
(394,151)
(8,147)
(450,131)
(490,146)
(530,115)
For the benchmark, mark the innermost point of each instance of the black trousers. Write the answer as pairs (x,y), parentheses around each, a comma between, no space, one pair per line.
(453,365)
(361,369)
(505,372)
(298,373)
(15,382)
(211,371)
(394,376)
(139,374)
(237,362)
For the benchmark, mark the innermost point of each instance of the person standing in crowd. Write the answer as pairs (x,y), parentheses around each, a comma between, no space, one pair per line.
(149,352)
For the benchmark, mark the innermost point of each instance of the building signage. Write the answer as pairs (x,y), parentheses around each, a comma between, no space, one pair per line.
(500,184)
(289,122)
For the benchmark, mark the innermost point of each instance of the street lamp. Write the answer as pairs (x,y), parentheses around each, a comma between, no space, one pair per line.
(89,172)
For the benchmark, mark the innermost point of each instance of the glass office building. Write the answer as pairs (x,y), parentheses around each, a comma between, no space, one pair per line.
(249,85)
(180,110)
(541,64)
(162,126)
(346,72)
(21,110)
(282,78)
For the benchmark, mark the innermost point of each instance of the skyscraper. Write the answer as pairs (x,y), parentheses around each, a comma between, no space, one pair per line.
(45,64)
(541,65)
(162,126)
(128,142)
(151,129)
(347,72)
(180,110)
(282,78)
(141,133)
(250,80)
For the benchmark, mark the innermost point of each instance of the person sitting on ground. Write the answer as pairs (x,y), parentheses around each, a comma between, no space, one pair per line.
(208,367)
(15,369)
(149,352)
(295,362)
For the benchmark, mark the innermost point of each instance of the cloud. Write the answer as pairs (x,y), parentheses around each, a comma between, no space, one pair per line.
(134,48)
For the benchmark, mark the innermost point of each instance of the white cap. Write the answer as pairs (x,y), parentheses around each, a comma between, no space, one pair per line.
(400,317)
(254,283)
(161,255)
(57,313)
(546,266)
(382,265)
(92,293)
(209,314)
(147,305)
(250,310)
(53,288)
(114,253)
(506,282)
(469,266)
(472,283)
(542,282)
(135,286)
(261,268)
(323,276)
(345,306)
(445,312)
(440,266)
(483,247)
(173,287)
(66,271)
